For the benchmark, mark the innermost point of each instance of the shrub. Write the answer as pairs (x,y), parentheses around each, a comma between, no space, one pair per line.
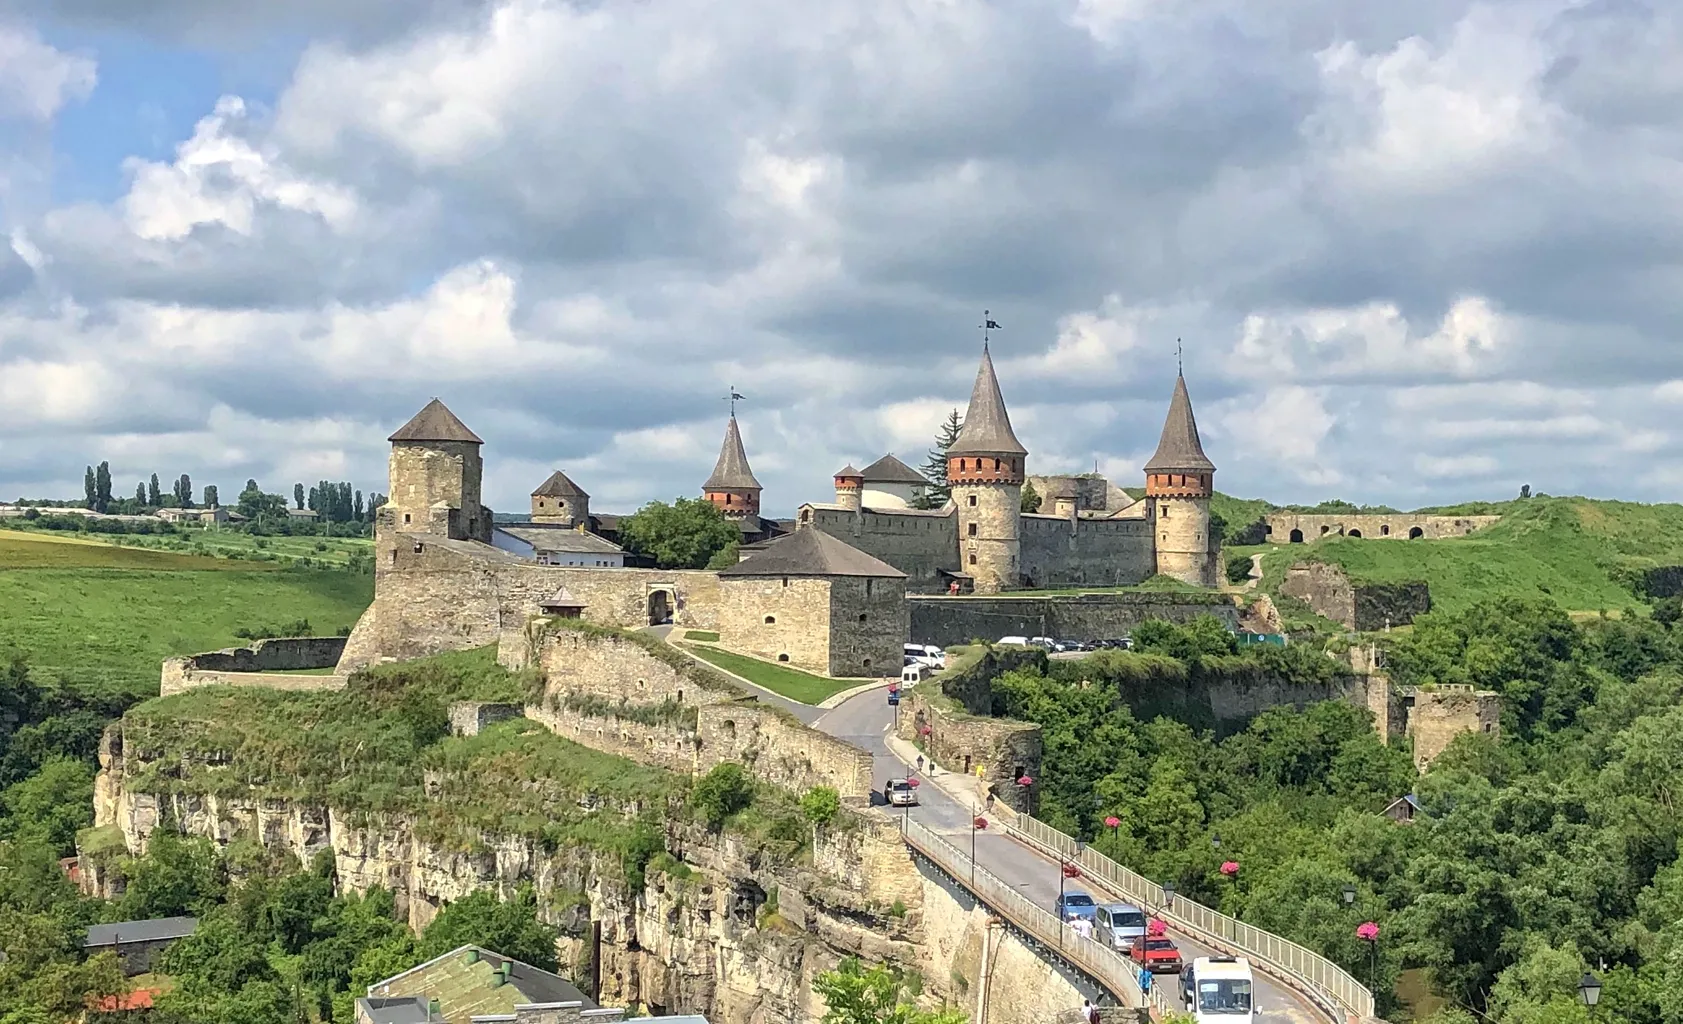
(821,804)
(721,793)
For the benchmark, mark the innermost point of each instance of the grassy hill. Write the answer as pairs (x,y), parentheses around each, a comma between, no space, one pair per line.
(1582,553)
(96,614)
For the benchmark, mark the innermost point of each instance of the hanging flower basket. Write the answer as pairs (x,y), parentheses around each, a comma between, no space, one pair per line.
(1230,868)
(1368,931)
(1071,871)
(1025,781)
(1156,926)
(913,782)
(1112,821)
(981,824)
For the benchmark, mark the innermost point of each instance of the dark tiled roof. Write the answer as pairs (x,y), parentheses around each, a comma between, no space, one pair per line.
(890,470)
(1179,448)
(140,931)
(561,538)
(847,470)
(811,553)
(435,423)
(558,486)
(987,428)
(731,471)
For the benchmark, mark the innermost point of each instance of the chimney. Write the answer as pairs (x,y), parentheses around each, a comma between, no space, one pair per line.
(434,1012)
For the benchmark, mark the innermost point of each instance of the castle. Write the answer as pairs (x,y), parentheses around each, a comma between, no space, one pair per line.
(983,542)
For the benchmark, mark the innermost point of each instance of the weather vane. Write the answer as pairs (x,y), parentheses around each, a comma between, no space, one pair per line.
(734,398)
(988,325)
(1180,369)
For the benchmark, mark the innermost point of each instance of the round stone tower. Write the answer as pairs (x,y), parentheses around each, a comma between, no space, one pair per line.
(850,484)
(732,487)
(985,471)
(1179,480)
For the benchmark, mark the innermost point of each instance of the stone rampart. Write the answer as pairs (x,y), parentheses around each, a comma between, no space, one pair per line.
(468,717)
(778,748)
(999,751)
(1077,552)
(1440,714)
(1328,590)
(1292,528)
(433,594)
(266,663)
(959,620)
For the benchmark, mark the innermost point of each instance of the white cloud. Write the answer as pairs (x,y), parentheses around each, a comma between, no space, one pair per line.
(1454,466)
(1373,339)
(37,80)
(1287,426)
(219,177)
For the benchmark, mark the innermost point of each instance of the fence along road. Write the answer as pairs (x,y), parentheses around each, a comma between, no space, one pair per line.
(1114,973)
(1016,854)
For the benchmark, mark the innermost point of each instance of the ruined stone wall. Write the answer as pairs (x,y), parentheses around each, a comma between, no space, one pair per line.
(468,717)
(958,620)
(869,626)
(1085,552)
(778,618)
(1393,526)
(1442,713)
(999,751)
(1329,591)
(261,664)
(992,553)
(918,545)
(1093,493)
(778,748)
(433,595)
(1185,548)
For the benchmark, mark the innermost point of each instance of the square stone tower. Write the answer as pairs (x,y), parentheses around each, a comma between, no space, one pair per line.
(436,475)
(560,502)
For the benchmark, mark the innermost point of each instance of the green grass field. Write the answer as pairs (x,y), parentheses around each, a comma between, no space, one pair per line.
(802,687)
(1574,551)
(96,614)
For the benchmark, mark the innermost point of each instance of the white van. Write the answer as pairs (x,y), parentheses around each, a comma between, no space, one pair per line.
(911,675)
(1018,641)
(1217,990)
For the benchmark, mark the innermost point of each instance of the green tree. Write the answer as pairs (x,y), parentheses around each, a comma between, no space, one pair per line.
(140,494)
(51,805)
(820,805)
(298,494)
(91,488)
(154,495)
(102,487)
(722,792)
(212,498)
(936,493)
(510,927)
(177,876)
(1031,497)
(683,535)
(854,994)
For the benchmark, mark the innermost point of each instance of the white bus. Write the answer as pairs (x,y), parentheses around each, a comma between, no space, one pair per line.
(1217,990)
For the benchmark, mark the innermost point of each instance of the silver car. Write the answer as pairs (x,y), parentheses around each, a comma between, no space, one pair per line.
(1119,924)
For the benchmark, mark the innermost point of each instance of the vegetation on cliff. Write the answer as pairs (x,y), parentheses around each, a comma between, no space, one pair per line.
(1532,859)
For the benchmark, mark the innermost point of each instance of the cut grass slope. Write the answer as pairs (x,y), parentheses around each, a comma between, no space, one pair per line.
(802,687)
(1580,553)
(100,615)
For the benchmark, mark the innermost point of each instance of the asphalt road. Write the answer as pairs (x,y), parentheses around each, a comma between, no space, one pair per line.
(865,720)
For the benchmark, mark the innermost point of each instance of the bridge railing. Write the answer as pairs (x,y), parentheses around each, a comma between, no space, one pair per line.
(1315,975)
(1115,973)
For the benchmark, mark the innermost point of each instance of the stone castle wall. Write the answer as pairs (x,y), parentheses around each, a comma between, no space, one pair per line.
(1058,552)
(921,546)
(958,620)
(433,595)
(869,627)
(778,619)
(999,751)
(1393,526)
(264,663)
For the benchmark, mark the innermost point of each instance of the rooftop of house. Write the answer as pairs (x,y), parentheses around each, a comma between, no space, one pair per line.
(125,932)
(559,486)
(463,982)
(890,470)
(811,553)
(560,539)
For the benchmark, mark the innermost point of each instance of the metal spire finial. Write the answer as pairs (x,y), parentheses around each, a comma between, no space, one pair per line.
(987,326)
(734,398)
(1180,367)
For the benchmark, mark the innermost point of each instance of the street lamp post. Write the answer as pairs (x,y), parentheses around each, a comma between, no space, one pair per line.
(1168,896)
(977,824)
(1349,895)
(1589,989)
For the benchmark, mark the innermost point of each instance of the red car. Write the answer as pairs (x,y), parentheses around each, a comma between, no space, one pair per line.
(1156,953)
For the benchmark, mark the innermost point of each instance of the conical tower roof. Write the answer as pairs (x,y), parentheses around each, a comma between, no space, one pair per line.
(435,422)
(1179,449)
(987,428)
(559,486)
(731,472)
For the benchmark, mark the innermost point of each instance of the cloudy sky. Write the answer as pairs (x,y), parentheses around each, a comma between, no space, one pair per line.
(1419,252)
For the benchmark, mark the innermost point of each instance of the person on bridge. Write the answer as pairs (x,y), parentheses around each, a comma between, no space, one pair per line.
(1145,982)
(1089,1012)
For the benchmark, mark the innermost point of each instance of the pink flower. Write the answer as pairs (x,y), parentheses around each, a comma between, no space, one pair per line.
(1112,821)
(1025,781)
(1230,868)
(1155,926)
(1367,931)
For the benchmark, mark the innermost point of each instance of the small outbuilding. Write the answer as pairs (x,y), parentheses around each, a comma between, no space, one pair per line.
(138,943)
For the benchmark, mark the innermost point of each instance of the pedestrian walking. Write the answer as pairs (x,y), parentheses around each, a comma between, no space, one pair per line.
(1089,1012)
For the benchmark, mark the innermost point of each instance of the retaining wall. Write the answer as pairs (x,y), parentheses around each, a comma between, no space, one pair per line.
(264,663)
(959,620)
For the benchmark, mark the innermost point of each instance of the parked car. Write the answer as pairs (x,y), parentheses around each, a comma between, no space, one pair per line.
(1120,924)
(899,793)
(1015,641)
(1156,953)
(1045,642)
(926,655)
(1076,902)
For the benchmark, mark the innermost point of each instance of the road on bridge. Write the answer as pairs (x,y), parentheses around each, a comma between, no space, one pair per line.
(865,720)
